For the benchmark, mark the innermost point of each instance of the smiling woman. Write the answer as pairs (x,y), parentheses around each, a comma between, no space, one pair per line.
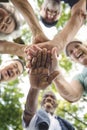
(8,18)
(11,70)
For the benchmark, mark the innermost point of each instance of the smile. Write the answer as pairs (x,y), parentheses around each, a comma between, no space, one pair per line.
(79,55)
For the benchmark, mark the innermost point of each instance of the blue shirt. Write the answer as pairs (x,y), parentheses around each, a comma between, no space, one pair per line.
(82,78)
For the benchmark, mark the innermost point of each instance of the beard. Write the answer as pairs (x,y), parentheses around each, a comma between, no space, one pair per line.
(48,107)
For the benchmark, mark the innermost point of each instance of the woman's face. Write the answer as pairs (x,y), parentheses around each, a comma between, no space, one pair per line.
(7,22)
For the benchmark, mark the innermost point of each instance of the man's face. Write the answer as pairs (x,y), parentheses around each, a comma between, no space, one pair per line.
(10,70)
(49,103)
(50,13)
(77,52)
(7,22)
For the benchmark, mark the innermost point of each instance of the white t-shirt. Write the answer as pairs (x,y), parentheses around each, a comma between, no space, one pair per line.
(54,123)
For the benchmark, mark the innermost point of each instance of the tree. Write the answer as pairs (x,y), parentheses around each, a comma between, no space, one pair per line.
(10,106)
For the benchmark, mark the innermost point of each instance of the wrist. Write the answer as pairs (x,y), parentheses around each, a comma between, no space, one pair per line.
(34,89)
(59,76)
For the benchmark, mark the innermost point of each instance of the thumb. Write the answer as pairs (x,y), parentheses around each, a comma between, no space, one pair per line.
(52,76)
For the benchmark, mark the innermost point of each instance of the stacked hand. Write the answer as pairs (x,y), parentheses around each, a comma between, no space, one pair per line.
(40,63)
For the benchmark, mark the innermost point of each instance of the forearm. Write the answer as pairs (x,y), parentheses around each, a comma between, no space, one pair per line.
(32,100)
(66,90)
(72,27)
(7,47)
(26,10)
(31,104)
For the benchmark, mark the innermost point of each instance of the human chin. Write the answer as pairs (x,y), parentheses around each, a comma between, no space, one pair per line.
(84,61)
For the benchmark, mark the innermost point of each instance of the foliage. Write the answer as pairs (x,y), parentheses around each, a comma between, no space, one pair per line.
(65,63)
(10,106)
(64,16)
(26,35)
(40,2)
(72,113)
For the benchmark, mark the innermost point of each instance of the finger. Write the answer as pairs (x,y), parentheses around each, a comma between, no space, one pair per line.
(26,48)
(37,48)
(30,49)
(48,60)
(54,52)
(39,57)
(28,58)
(34,62)
(28,64)
(44,57)
(52,76)
(31,52)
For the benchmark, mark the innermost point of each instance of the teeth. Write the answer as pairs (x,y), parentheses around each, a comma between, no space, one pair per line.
(80,54)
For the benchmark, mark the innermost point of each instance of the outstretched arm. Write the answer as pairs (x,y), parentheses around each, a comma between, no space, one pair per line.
(7,47)
(26,10)
(39,79)
(70,91)
(31,105)
(78,15)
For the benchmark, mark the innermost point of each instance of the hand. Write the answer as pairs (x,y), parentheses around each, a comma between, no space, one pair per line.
(49,45)
(54,63)
(40,77)
(32,52)
(39,38)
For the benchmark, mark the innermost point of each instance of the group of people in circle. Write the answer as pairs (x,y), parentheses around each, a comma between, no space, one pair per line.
(42,56)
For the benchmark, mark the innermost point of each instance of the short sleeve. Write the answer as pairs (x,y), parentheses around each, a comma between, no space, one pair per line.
(82,78)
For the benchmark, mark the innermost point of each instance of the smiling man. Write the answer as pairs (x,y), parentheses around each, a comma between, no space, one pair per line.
(11,70)
(77,51)
(50,11)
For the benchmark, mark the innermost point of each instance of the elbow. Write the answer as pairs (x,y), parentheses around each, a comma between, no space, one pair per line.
(72,97)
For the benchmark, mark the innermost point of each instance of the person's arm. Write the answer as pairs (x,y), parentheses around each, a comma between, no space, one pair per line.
(73,25)
(31,105)
(26,10)
(39,79)
(7,47)
(70,91)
